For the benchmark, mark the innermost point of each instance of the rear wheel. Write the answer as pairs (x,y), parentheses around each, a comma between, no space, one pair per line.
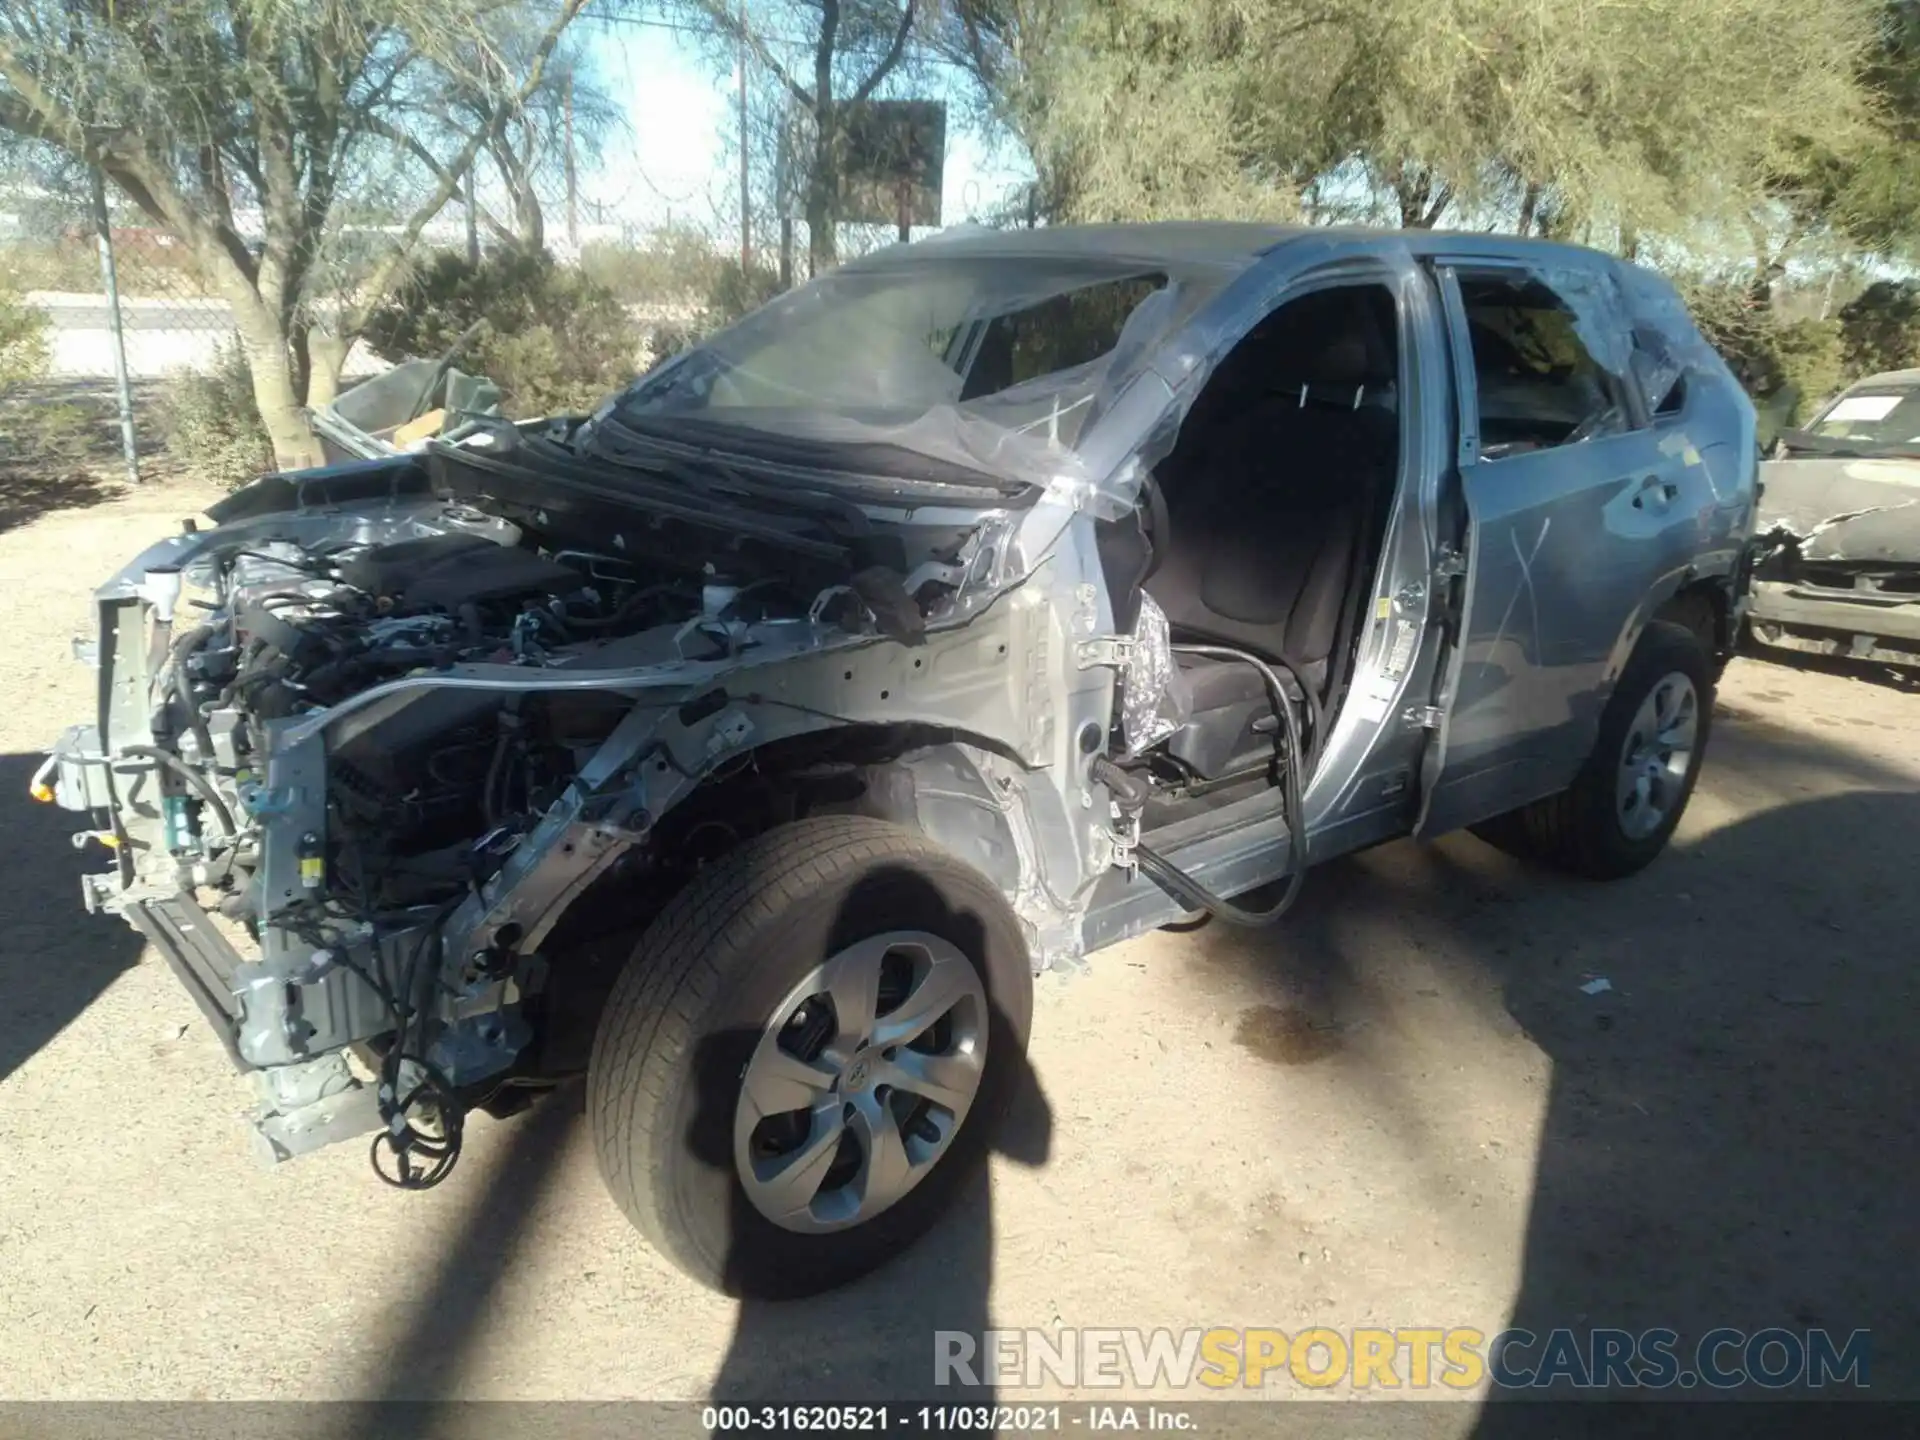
(1622,808)
(805,1057)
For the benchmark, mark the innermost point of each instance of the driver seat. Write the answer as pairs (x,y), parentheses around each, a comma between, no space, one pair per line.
(1267,521)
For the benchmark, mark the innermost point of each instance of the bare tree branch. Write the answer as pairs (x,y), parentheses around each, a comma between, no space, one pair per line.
(727,21)
(387,271)
(888,61)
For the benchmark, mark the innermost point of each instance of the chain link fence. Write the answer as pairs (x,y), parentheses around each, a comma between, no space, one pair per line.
(120,308)
(139,370)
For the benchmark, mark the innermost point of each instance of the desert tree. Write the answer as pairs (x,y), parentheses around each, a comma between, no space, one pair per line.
(245,127)
(828,58)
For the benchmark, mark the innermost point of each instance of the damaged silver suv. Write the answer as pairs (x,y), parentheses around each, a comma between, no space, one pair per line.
(964,612)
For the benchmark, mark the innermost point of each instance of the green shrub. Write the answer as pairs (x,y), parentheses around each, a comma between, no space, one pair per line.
(1880,329)
(675,263)
(47,266)
(213,427)
(553,338)
(670,337)
(58,434)
(23,337)
(1787,366)
(736,292)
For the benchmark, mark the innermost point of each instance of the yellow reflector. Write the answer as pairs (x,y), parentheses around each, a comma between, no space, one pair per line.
(42,792)
(108,839)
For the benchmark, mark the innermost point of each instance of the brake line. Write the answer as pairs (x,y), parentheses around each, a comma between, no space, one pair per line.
(1190,892)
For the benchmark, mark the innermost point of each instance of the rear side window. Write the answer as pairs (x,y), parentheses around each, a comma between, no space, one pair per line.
(1538,381)
(1658,372)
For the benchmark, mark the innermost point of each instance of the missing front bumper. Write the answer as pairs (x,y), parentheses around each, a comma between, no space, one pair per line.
(199,955)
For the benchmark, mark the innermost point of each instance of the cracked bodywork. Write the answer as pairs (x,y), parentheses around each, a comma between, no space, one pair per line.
(1837,566)
(997,779)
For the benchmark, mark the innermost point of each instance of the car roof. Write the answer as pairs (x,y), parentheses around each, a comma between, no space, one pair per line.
(1904,378)
(1203,244)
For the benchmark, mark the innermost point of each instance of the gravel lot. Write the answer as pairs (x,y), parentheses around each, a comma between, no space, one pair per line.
(1400,1109)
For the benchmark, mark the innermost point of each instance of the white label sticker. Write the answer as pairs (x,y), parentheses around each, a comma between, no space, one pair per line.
(1402,649)
(1863,407)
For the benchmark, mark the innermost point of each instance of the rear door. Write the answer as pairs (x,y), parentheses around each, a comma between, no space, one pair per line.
(1574,513)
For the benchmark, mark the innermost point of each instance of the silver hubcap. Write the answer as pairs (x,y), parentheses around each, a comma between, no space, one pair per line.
(1657,755)
(860,1081)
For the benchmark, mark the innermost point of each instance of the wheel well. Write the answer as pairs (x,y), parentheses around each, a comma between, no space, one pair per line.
(1703,608)
(849,769)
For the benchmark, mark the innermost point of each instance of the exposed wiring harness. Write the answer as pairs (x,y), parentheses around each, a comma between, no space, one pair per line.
(187,776)
(1297,757)
(404,1139)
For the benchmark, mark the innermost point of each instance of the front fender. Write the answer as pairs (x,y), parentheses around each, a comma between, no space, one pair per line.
(985,680)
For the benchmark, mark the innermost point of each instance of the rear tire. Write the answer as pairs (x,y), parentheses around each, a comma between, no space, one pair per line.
(707,1012)
(1622,808)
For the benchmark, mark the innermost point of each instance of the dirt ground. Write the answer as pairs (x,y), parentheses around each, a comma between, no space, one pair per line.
(1398,1109)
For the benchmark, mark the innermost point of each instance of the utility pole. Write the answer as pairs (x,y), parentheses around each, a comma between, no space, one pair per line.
(573,183)
(473,218)
(746,221)
(109,278)
(782,184)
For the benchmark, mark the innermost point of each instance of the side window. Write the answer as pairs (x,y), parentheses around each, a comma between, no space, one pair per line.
(1538,380)
(1661,376)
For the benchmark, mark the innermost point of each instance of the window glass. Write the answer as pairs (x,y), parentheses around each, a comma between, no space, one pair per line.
(1888,415)
(1659,372)
(886,346)
(1538,381)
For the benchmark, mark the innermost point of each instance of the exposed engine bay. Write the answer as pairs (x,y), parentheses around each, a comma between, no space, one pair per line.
(393,723)
(303,629)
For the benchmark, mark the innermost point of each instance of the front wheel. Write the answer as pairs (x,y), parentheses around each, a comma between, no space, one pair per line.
(1623,806)
(804,1059)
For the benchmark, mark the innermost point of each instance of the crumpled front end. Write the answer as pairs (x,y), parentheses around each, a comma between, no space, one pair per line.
(1838,568)
(357,764)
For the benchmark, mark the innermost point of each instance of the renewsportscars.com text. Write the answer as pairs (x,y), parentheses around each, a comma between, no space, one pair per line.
(1414,1358)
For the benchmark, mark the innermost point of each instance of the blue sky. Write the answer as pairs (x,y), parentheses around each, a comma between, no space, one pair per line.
(675,164)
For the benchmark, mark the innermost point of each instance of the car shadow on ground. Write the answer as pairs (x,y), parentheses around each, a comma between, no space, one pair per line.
(1727,1138)
(870,1341)
(56,959)
(1728,1135)
(817,1351)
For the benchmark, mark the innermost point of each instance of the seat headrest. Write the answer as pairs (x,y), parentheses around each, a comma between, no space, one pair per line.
(1344,362)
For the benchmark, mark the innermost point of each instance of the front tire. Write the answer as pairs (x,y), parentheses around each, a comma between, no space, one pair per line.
(1622,808)
(805,1058)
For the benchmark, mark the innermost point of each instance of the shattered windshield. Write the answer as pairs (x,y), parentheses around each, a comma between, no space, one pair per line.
(993,364)
(1877,417)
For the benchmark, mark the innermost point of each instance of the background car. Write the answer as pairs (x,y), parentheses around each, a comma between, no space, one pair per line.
(1840,518)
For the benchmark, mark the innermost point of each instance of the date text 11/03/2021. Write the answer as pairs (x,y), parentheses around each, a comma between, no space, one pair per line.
(988,1419)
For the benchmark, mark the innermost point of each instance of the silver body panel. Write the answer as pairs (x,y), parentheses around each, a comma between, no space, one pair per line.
(1508,596)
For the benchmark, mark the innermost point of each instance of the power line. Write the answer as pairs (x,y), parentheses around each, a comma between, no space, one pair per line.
(714,32)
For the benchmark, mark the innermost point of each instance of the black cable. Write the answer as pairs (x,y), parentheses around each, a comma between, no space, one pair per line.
(1316,720)
(625,609)
(185,774)
(408,1140)
(177,669)
(1191,892)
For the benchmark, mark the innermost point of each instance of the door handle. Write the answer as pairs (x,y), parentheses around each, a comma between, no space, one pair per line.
(1661,492)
